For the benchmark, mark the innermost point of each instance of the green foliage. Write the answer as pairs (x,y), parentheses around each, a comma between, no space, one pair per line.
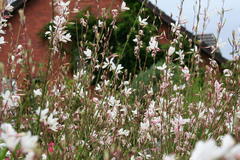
(3,152)
(118,40)
(145,79)
(152,78)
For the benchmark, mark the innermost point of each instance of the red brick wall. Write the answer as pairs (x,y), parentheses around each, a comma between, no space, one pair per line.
(164,30)
(38,13)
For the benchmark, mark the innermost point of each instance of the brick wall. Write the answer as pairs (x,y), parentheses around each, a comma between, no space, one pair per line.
(38,13)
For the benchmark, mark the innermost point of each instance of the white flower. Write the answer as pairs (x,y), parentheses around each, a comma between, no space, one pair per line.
(113,102)
(185,70)
(112,114)
(88,53)
(136,39)
(234,153)
(100,23)
(227,73)
(9,8)
(178,123)
(153,44)
(210,151)
(127,91)
(59,22)
(37,92)
(135,112)
(52,123)
(181,87)
(181,56)
(10,99)
(205,151)
(227,143)
(57,32)
(30,156)
(237,114)
(79,74)
(125,83)
(175,27)
(114,12)
(124,7)
(2,40)
(2,31)
(150,91)
(162,68)
(117,69)
(186,73)
(62,7)
(98,87)
(43,114)
(213,63)
(28,142)
(44,156)
(9,136)
(123,132)
(171,50)
(107,63)
(143,22)
(48,120)
(107,82)
(63,4)
(144,126)
(65,37)
(169,157)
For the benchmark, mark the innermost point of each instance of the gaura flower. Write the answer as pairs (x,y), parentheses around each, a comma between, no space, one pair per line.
(28,142)
(2,40)
(88,53)
(171,50)
(143,22)
(153,44)
(124,7)
(37,92)
(227,73)
(208,150)
(186,73)
(9,136)
(162,67)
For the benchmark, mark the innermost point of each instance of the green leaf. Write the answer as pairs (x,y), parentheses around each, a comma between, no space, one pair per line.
(3,153)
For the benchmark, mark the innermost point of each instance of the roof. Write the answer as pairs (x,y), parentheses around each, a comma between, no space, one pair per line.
(209,39)
(206,41)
